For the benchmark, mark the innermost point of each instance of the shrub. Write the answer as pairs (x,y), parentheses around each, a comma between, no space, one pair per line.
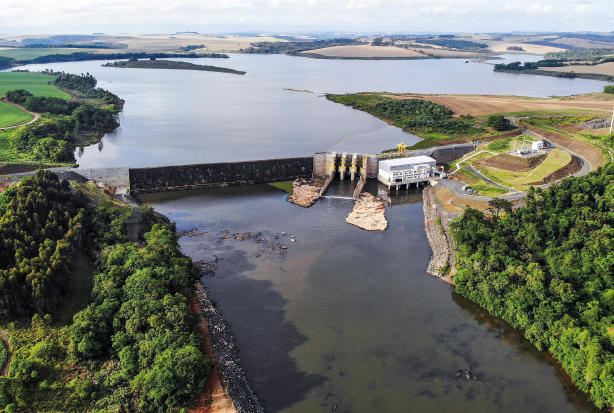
(498,122)
(608,89)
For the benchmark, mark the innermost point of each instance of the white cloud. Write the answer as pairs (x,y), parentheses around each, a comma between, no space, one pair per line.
(44,16)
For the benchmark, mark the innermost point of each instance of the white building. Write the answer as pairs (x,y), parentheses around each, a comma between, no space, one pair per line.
(404,171)
(537,145)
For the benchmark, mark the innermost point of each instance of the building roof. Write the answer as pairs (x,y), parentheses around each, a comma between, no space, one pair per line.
(407,161)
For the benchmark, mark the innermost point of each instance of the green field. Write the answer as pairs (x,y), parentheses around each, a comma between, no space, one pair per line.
(32,53)
(35,83)
(555,161)
(11,115)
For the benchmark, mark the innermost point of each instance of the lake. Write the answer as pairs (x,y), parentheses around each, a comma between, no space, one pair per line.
(174,117)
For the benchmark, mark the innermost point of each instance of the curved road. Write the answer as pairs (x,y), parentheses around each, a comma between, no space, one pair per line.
(36,115)
(455,187)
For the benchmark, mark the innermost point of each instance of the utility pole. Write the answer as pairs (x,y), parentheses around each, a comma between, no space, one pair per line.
(612,123)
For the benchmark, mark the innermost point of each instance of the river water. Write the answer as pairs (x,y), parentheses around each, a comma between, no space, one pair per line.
(349,318)
(344,319)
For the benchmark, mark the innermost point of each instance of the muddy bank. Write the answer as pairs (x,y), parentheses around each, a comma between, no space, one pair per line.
(368,213)
(436,236)
(222,343)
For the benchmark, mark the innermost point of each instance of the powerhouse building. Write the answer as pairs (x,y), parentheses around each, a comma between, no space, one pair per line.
(405,171)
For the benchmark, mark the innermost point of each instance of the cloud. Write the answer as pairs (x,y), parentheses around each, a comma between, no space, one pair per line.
(159,16)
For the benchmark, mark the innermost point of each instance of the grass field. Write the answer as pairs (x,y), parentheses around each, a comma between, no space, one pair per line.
(35,83)
(27,53)
(11,115)
(284,186)
(602,69)
(556,160)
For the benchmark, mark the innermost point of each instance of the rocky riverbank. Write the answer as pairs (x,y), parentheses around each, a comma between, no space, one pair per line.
(368,213)
(305,191)
(434,232)
(222,341)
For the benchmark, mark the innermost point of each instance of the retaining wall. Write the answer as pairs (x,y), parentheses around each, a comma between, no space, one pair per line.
(211,175)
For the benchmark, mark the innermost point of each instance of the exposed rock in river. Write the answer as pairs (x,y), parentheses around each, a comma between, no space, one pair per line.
(368,213)
(306,191)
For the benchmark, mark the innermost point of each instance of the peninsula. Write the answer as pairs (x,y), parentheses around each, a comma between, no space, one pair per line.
(170,64)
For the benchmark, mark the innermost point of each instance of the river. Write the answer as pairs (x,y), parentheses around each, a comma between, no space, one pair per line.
(349,318)
(344,319)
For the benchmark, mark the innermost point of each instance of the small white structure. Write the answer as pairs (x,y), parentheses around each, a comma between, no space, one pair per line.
(404,171)
(537,145)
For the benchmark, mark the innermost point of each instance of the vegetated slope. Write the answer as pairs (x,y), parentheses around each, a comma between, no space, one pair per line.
(427,119)
(547,269)
(11,115)
(64,123)
(134,348)
(512,163)
(171,64)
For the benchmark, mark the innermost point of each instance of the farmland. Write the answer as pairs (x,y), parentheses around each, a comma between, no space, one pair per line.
(35,83)
(483,105)
(32,53)
(11,115)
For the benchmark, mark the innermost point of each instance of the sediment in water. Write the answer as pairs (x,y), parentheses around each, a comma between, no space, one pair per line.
(222,341)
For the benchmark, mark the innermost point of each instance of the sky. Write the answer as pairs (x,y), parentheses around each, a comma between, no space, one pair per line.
(289,16)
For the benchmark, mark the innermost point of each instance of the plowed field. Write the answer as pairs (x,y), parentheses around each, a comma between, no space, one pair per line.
(483,105)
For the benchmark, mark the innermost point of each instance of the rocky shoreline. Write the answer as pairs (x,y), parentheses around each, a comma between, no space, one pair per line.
(434,232)
(222,341)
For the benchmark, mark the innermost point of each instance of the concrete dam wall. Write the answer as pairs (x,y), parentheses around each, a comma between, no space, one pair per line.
(211,175)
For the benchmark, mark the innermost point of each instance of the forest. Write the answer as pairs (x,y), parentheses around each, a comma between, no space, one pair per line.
(134,348)
(517,66)
(427,119)
(455,44)
(579,54)
(296,47)
(65,122)
(547,268)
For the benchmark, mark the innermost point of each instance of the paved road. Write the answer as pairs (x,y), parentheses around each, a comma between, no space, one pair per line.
(455,187)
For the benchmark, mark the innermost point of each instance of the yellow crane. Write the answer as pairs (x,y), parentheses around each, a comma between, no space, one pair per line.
(402,148)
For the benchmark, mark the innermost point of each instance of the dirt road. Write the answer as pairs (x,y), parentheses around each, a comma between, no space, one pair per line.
(36,115)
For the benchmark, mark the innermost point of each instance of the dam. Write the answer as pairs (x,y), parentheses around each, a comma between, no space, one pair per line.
(137,181)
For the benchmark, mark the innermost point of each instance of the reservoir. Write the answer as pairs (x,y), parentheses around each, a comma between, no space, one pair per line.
(178,117)
(344,320)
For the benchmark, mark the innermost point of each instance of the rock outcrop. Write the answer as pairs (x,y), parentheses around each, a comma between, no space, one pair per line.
(368,213)
(306,191)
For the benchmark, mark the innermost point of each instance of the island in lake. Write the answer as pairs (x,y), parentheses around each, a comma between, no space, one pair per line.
(171,64)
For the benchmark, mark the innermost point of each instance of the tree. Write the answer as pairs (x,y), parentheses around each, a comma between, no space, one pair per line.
(377,41)
(608,89)
(498,122)
(497,204)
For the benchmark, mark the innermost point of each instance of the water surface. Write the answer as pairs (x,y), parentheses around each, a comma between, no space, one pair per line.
(174,117)
(349,318)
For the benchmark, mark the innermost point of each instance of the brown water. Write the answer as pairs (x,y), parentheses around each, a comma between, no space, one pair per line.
(349,318)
